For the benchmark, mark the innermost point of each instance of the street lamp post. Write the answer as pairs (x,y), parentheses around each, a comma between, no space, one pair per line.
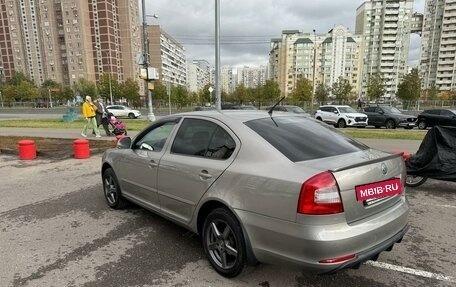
(314,68)
(150,115)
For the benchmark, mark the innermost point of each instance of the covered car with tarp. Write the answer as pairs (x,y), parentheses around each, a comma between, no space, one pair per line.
(436,156)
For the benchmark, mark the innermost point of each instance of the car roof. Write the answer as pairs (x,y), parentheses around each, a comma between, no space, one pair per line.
(234,115)
(336,106)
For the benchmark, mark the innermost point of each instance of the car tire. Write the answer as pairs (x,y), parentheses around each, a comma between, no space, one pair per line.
(320,119)
(390,124)
(111,190)
(224,243)
(341,124)
(131,115)
(422,125)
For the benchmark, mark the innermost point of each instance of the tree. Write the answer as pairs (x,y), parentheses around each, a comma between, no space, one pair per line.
(240,94)
(321,93)
(303,91)
(432,93)
(341,90)
(410,87)
(130,90)
(269,92)
(179,94)
(375,86)
(86,88)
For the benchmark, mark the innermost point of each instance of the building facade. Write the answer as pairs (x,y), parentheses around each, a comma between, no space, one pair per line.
(167,55)
(385,26)
(322,59)
(251,77)
(66,41)
(198,75)
(438,46)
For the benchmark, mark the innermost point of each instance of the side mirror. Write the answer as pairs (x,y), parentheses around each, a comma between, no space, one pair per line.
(124,143)
(381,112)
(336,112)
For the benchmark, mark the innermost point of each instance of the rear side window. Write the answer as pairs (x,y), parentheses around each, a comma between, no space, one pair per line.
(300,138)
(203,138)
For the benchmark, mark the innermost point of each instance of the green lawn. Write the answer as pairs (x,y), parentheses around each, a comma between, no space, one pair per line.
(132,124)
(139,124)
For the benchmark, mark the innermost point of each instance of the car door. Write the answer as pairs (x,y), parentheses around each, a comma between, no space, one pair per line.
(333,115)
(373,116)
(137,171)
(447,118)
(433,117)
(200,153)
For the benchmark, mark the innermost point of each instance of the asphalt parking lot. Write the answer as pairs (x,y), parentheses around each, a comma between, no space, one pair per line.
(56,230)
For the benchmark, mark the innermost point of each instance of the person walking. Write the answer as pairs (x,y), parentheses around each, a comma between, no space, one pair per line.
(88,112)
(102,115)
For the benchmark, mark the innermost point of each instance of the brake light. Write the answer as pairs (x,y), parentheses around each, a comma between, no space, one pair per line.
(320,195)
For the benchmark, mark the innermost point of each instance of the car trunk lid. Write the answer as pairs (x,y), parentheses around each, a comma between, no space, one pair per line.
(373,182)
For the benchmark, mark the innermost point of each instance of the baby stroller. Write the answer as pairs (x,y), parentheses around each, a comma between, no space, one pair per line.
(119,128)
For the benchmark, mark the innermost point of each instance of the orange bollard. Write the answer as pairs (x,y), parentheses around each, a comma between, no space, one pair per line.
(81,149)
(27,149)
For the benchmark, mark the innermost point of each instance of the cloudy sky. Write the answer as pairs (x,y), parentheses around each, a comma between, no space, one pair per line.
(247,26)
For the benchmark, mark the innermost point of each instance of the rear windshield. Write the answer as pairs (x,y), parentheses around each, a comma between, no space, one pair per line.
(301,138)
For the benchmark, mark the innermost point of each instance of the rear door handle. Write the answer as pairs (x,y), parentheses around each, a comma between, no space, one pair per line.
(205,175)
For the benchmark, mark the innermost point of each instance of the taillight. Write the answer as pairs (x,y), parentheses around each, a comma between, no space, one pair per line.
(320,195)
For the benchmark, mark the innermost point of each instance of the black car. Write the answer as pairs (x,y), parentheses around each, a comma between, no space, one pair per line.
(389,117)
(434,117)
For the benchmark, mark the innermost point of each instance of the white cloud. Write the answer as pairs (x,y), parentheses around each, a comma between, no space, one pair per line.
(247,26)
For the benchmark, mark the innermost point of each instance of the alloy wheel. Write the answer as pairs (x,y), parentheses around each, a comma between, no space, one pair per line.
(222,244)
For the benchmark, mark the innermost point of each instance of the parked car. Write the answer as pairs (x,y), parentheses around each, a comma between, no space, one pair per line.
(280,189)
(430,118)
(389,117)
(204,108)
(123,111)
(341,116)
(289,109)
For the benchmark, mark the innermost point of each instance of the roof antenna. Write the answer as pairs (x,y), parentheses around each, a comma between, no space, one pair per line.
(272,108)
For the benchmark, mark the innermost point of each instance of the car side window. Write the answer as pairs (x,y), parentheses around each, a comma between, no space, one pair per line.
(446,113)
(203,138)
(156,138)
(369,109)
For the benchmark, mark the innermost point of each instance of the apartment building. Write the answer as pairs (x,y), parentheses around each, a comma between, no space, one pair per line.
(227,79)
(251,77)
(322,59)
(67,40)
(438,46)
(385,26)
(167,55)
(198,75)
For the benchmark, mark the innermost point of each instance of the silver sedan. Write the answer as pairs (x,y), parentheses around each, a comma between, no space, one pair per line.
(277,189)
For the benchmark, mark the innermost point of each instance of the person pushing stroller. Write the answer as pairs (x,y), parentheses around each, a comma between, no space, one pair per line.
(102,116)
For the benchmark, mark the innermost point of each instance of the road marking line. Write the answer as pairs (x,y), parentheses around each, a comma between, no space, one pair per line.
(412,271)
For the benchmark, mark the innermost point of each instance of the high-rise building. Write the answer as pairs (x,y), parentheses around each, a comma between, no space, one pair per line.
(227,80)
(322,59)
(251,77)
(66,41)
(167,55)
(438,46)
(385,26)
(198,75)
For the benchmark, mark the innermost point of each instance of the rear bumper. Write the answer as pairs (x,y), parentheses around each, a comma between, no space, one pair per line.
(372,253)
(303,245)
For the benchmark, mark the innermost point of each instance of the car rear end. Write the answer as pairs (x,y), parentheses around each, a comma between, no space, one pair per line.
(331,207)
